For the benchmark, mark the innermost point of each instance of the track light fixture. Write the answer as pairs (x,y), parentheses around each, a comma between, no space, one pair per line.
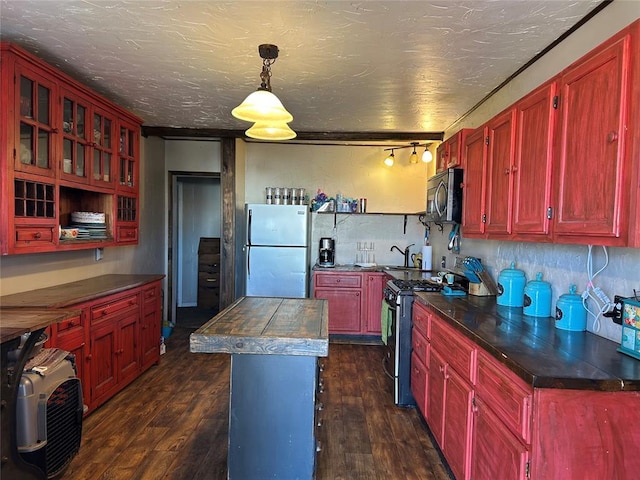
(262,107)
(413,158)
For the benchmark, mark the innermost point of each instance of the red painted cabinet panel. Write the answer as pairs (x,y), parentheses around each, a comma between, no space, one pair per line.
(150,325)
(591,173)
(345,308)
(457,423)
(435,395)
(497,453)
(531,172)
(374,284)
(500,160)
(473,191)
(419,382)
(104,369)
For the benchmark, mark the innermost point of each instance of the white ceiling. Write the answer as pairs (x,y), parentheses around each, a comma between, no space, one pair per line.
(344,66)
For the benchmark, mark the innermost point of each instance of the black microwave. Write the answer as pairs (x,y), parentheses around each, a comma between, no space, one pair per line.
(444,197)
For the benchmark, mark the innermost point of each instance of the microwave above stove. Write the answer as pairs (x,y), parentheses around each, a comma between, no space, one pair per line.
(444,197)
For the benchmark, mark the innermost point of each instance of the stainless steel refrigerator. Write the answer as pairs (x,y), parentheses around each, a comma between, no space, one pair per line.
(277,250)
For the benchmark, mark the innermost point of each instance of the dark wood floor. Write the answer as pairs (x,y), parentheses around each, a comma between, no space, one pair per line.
(172,423)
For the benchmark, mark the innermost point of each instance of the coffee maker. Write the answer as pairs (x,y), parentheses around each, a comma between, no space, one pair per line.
(327,252)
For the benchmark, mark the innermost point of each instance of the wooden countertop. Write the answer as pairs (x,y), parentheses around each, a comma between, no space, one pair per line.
(540,354)
(15,322)
(267,326)
(73,293)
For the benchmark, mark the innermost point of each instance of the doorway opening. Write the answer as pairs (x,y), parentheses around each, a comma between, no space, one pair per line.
(195,222)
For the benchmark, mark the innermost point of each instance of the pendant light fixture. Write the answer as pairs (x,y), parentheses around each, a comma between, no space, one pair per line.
(262,107)
(413,158)
(414,155)
(427,156)
(271,131)
(390,159)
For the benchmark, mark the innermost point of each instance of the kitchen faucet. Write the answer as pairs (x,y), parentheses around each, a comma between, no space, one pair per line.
(405,253)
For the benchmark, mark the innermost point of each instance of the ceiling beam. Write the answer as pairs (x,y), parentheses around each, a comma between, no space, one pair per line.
(172,132)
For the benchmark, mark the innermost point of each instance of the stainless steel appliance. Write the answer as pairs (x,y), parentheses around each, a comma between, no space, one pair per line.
(326,253)
(397,360)
(444,196)
(277,250)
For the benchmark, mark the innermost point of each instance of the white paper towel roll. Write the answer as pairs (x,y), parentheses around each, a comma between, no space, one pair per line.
(427,252)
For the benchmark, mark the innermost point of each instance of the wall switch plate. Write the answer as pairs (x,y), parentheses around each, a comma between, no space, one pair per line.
(99,254)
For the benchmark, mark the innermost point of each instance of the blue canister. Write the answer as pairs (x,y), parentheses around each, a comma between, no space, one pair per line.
(511,287)
(570,312)
(537,297)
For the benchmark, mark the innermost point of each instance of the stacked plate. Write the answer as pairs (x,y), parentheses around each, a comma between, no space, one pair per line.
(90,225)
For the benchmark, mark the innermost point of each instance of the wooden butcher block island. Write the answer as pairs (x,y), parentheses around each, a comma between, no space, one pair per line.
(274,345)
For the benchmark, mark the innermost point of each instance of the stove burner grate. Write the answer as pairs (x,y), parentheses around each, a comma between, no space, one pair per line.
(417,285)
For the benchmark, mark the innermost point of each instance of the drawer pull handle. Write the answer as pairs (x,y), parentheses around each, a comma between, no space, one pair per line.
(37,235)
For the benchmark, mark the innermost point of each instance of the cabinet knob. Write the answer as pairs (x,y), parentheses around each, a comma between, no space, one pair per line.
(89,357)
(514,168)
(612,137)
(104,312)
(507,171)
(37,235)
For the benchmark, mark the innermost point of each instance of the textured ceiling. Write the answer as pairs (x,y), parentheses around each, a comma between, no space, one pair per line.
(355,66)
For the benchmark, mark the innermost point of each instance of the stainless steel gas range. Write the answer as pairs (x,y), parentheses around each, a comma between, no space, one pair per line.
(397,361)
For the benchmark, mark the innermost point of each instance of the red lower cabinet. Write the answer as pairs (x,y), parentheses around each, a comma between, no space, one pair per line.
(419,383)
(497,453)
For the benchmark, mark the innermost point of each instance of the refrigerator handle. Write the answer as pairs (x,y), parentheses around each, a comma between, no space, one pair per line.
(248,260)
(249,227)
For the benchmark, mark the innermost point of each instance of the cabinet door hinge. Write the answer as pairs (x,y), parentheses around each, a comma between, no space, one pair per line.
(486,140)
(550,213)
(484,218)
(556,101)
(528,469)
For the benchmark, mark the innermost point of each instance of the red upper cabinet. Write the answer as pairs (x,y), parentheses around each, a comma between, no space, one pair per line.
(500,163)
(532,169)
(64,149)
(592,171)
(450,152)
(473,186)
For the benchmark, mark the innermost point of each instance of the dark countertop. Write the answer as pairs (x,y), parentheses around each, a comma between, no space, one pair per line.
(73,293)
(16,321)
(267,326)
(540,354)
(393,270)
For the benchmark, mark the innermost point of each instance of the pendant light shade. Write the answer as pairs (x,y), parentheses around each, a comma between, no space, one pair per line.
(270,131)
(427,156)
(390,159)
(413,159)
(262,106)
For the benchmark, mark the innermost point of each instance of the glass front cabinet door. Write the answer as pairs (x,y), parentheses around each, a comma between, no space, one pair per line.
(75,143)
(35,130)
(128,154)
(103,151)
